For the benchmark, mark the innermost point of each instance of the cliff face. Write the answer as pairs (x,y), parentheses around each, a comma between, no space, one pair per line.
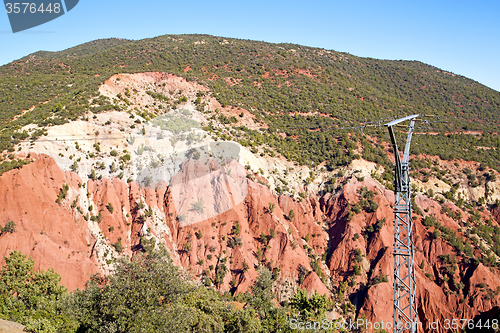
(53,234)
(319,242)
(158,174)
(76,245)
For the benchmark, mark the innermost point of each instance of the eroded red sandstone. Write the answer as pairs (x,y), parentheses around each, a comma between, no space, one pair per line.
(57,236)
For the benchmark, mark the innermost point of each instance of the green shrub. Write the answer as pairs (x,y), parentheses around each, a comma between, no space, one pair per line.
(312,307)
(381,278)
(14,164)
(236,229)
(436,234)
(74,167)
(10,227)
(199,234)
(118,245)
(429,221)
(373,228)
(110,208)
(245,266)
(198,206)
(220,273)
(96,218)
(92,175)
(125,158)
(63,192)
(272,205)
(357,269)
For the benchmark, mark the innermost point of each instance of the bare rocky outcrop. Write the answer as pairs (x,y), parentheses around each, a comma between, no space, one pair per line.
(256,231)
(222,221)
(51,233)
(10,327)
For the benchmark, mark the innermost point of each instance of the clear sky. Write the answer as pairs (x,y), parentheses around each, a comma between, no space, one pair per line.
(462,37)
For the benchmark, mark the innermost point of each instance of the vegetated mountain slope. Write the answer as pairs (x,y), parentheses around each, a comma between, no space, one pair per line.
(287,87)
(307,204)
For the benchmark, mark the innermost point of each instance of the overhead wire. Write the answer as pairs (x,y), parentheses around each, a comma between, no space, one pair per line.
(348,125)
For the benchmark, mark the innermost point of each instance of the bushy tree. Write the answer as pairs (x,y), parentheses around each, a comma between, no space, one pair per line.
(150,294)
(32,298)
(309,308)
(273,319)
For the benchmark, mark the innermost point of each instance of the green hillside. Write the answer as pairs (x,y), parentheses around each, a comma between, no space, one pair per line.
(276,82)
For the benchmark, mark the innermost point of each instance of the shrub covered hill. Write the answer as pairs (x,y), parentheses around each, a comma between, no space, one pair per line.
(275,82)
(200,183)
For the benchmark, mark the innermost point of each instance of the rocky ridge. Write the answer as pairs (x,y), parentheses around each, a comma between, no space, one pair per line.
(76,217)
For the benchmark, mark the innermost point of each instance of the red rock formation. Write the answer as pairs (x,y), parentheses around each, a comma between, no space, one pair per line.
(248,234)
(313,283)
(51,233)
(496,213)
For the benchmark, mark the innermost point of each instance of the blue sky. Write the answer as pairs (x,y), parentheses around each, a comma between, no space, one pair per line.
(462,37)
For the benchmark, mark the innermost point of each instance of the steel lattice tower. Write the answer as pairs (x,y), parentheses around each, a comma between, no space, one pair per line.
(405,305)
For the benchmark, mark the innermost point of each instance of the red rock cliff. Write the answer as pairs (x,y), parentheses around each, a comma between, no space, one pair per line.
(227,248)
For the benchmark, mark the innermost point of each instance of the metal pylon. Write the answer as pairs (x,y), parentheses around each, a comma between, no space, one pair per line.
(405,303)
